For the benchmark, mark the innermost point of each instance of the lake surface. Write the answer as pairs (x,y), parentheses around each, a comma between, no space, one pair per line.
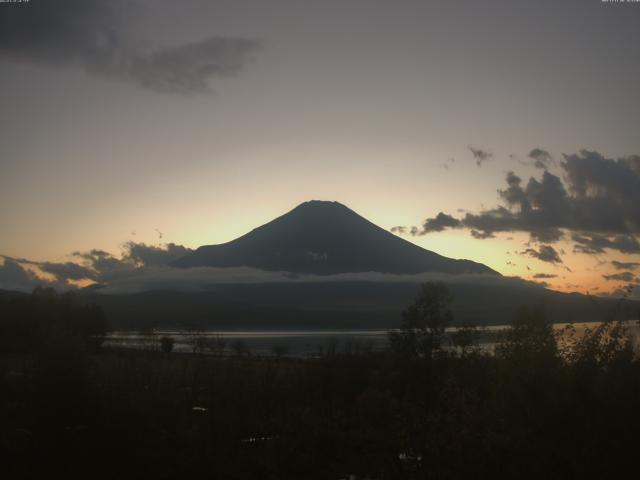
(297,343)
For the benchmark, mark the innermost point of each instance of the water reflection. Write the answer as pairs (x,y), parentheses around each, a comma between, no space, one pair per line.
(298,343)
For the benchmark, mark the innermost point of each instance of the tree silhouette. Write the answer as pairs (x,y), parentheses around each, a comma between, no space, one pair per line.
(424,322)
(167,344)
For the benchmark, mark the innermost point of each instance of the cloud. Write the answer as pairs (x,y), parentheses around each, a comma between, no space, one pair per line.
(98,37)
(125,277)
(14,277)
(594,243)
(96,265)
(206,278)
(188,68)
(481,235)
(413,231)
(545,275)
(546,253)
(439,223)
(152,256)
(625,265)
(480,155)
(598,203)
(541,158)
(67,270)
(622,277)
(104,266)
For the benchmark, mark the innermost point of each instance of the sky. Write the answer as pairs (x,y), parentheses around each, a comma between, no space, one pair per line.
(190,123)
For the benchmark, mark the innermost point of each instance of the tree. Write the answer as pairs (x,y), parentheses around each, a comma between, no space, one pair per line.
(280,350)
(240,348)
(195,336)
(167,344)
(529,339)
(424,322)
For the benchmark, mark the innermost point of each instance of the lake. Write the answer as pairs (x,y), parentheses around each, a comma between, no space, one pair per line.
(296,343)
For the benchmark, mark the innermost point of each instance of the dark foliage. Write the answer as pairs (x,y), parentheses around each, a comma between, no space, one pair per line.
(424,322)
(30,323)
(541,407)
(167,344)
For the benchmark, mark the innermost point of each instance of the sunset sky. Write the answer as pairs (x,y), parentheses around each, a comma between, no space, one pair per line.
(193,122)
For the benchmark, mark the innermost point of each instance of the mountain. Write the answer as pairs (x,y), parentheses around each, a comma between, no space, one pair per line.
(324,238)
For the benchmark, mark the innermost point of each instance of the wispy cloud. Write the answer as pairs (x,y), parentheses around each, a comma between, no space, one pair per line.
(625,265)
(541,159)
(98,37)
(206,278)
(480,155)
(621,277)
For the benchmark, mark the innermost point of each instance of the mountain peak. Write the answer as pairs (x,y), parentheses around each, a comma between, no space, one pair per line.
(325,237)
(321,205)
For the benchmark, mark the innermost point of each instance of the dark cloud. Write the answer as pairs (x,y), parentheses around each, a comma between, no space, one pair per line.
(595,244)
(67,270)
(400,230)
(544,275)
(152,256)
(441,222)
(14,277)
(480,155)
(625,265)
(541,158)
(546,253)
(96,265)
(96,37)
(102,263)
(105,266)
(481,235)
(598,203)
(622,277)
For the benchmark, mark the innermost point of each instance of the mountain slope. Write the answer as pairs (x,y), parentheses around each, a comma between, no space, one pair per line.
(324,238)
(341,305)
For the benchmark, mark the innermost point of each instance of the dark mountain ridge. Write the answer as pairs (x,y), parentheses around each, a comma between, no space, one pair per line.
(359,305)
(324,238)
